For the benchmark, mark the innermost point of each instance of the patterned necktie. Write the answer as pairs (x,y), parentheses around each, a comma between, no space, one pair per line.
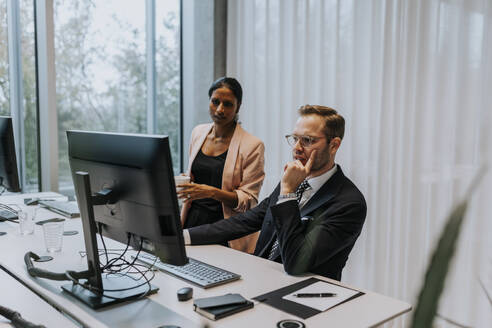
(299,191)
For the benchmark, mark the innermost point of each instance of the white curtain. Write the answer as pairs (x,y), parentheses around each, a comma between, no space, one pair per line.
(413,78)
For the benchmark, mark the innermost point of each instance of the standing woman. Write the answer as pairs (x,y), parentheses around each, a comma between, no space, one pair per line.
(226,165)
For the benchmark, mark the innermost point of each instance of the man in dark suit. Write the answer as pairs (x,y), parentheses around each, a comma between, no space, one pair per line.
(310,222)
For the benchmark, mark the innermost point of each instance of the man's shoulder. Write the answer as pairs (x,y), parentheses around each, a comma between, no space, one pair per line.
(349,191)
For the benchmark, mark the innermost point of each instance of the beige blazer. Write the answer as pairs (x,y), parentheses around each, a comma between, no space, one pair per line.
(243,173)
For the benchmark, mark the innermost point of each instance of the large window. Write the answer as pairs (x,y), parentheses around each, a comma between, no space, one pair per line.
(167,59)
(117,65)
(101,70)
(30,169)
(25,108)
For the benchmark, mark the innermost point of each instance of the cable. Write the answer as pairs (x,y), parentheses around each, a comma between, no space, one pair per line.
(110,263)
(8,208)
(10,220)
(5,207)
(14,206)
(16,319)
(113,250)
(101,291)
(99,227)
(36,272)
(134,259)
(95,290)
(112,267)
(75,276)
(101,251)
(108,268)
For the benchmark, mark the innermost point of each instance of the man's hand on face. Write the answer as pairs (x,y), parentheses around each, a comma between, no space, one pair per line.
(294,173)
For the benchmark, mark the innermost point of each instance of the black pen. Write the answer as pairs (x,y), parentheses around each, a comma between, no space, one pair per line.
(315,295)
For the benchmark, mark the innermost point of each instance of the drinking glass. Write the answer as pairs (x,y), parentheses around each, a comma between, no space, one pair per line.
(53,236)
(26,219)
(180,179)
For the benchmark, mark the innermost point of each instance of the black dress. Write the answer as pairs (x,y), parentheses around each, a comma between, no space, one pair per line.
(206,170)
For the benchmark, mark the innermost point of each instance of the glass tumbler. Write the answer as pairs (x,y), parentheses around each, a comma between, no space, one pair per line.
(26,220)
(53,236)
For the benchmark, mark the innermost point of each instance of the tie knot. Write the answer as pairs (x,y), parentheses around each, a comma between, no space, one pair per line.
(302,187)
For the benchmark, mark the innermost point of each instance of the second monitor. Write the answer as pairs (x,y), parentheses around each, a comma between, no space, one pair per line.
(137,171)
(9,177)
(125,190)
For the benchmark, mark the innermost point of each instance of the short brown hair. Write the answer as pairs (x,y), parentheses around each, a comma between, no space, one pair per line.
(334,122)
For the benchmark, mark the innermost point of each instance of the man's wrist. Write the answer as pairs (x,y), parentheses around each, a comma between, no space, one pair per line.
(287,195)
(284,190)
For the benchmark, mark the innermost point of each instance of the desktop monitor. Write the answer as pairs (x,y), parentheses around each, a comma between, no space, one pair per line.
(9,178)
(125,190)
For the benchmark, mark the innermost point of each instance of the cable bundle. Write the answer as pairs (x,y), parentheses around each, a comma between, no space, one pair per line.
(16,319)
(114,266)
(120,266)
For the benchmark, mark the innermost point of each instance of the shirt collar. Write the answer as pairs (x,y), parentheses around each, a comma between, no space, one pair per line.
(320,180)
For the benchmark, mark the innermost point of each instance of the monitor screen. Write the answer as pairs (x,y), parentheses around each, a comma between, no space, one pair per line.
(8,162)
(138,171)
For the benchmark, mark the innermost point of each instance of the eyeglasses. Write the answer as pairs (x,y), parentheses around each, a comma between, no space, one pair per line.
(306,141)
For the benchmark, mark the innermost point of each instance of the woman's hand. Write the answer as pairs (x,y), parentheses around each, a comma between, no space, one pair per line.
(191,191)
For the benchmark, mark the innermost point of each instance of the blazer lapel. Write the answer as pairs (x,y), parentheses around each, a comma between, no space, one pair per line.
(325,193)
(197,145)
(230,161)
(268,235)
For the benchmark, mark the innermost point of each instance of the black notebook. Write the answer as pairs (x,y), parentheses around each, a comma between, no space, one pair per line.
(221,306)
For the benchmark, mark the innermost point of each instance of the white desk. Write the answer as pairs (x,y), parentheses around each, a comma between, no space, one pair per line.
(17,297)
(258,276)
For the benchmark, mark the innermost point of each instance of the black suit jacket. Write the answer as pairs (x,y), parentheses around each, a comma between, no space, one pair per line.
(318,238)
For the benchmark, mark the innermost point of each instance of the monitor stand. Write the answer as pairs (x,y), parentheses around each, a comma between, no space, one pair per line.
(116,288)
